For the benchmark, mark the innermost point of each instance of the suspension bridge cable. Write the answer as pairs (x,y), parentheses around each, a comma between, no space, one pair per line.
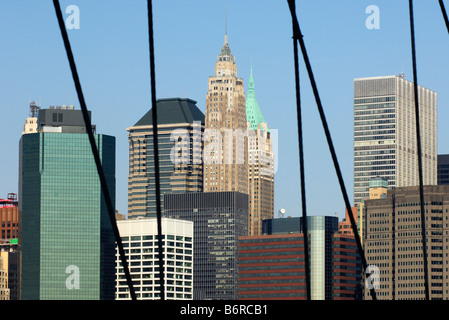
(298,36)
(156,149)
(443,11)
(418,138)
(301,165)
(95,153)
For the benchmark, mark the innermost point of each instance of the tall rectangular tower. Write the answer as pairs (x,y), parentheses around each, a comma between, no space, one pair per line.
(225,137)
(385,133)
(67,241)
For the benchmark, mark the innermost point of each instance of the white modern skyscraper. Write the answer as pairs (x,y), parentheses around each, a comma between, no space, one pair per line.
(139,237)
(385,133)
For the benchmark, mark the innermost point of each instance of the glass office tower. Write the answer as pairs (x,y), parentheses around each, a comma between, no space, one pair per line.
(68,246)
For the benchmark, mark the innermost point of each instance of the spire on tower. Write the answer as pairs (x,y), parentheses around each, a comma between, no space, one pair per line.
(226,21)
(253,114)
(226,51)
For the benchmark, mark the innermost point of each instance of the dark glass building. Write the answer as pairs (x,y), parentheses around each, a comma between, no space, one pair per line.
(68,246)
(281,226)
(219,219)
(443,169)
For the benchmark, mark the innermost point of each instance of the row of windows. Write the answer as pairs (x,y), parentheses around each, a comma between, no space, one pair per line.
(377,137)
(373,100)
(371,133)
(375,117)
(373,112)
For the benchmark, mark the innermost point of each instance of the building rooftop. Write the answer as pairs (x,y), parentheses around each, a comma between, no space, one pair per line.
(173,110)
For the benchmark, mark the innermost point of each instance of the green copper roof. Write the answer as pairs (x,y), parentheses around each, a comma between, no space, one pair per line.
(253,114)
(173,110)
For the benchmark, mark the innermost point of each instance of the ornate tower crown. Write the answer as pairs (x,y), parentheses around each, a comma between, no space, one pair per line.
(253,114)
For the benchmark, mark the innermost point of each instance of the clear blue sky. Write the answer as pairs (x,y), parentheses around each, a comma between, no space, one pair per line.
(111,52)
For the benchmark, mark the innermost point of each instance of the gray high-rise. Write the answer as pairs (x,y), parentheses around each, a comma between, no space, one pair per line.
(385,142)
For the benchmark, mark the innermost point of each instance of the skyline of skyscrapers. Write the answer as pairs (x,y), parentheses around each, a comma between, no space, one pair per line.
(217,174)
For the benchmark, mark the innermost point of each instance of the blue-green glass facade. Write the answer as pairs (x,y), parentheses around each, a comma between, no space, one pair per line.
(321,230)
(68,246)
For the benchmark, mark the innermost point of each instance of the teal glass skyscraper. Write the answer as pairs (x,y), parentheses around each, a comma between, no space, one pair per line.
(68,245)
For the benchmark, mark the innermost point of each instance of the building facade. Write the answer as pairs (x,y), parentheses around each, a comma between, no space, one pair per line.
(219,219)
(65,233)
(139,238)
(393,243)
(180,130)
(260,164)
(272,267)
(9,219)
(225,138)
(321,231)
(346,268)
(385,133)
(281,225)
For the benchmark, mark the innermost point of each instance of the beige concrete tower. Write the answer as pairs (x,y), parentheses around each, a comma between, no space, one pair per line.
(225,155)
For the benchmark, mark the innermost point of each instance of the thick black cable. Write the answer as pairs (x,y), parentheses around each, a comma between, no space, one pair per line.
(298,36)
(156,150)
(95,153)
(418,140)
(443,11)
(301,165)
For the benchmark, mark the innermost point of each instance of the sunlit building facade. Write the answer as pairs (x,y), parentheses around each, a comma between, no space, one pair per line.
(385,133)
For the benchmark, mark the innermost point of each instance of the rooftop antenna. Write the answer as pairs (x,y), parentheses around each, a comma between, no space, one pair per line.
(34,109)
(226,22)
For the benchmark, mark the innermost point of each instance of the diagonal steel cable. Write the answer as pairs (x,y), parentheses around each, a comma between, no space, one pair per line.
(418,140)
(298,36)
(301,164)
(95,153)
(156,149)
(443,11)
